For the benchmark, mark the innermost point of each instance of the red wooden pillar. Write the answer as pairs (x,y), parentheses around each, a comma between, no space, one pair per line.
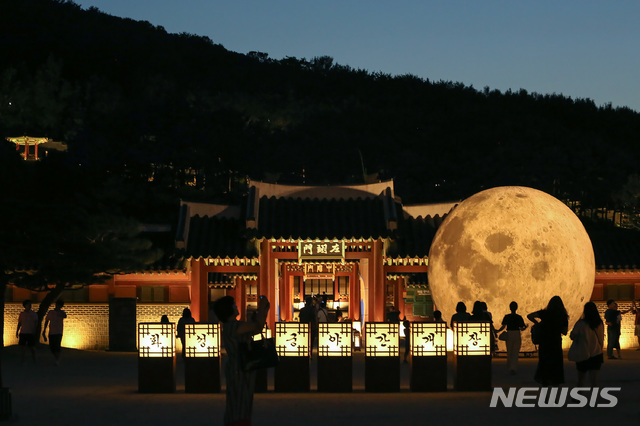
(377,283)
(354,293)
(399,290)
(26,150)
(266,277)
(36,150)
(286,294)
(199,286)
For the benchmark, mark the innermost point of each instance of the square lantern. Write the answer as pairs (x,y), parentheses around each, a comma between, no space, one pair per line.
(156,340)
(428,339)
(334,339)
(156,357)
(202,340)
(382,339)
(472,339)
(428,342)
(335,365)
(382,357)
(293,339)
(293,343)
(202,358)
(472,356)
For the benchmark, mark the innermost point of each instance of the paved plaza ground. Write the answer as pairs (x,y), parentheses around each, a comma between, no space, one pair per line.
(100,388)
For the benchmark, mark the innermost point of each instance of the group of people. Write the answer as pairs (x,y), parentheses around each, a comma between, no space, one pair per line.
(28,325)
(553,322)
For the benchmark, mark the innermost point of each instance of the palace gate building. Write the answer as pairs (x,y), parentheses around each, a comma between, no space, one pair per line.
(357,246)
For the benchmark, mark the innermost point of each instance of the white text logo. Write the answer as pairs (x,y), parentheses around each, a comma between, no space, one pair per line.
(555,397)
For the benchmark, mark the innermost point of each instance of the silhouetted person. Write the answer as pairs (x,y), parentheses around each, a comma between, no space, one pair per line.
(554,322)
(240,383)
(393,314)
(164,319)
(27,330)
(461,314)
(407,338)
(180,328)
(613,318)
(514,325)
(437,316)
(55,321)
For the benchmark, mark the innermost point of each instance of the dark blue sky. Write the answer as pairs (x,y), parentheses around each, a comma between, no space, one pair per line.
(578,48)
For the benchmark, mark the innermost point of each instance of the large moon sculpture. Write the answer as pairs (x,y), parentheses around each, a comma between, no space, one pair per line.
(511,244)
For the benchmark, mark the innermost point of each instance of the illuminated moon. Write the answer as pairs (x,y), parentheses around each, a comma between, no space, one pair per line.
(511,243)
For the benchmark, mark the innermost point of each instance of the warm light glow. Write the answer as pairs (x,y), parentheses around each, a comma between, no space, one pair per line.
(156,340)
(428,339)
(382,339)
(511,244)
(292,339)
(202,340)
(334,339)
(472,338)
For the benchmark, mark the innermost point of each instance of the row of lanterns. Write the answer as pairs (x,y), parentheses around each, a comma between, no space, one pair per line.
(381,342)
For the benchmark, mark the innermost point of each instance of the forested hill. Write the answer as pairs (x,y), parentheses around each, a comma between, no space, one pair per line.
(126,94)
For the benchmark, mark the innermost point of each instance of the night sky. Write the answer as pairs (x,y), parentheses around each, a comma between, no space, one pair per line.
(577,48)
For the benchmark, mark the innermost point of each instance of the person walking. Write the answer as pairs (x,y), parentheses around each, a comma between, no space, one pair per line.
(588,335)
(27,331)
(514,325)
(55,321)
(240,383)
(554,321)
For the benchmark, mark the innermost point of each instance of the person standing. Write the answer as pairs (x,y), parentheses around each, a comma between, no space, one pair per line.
(240,383)
(636,312)
(55,321)
(461,314)
(554,321)
(186,318)
(407,338)
(589,334)
(27,330)
(514,325)
(613,319)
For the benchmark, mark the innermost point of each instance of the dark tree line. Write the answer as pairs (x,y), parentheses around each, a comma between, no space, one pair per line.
(133,101)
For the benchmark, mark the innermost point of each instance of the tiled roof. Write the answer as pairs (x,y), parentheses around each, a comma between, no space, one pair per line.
(414,236)
(296,218)
(218,237)
(321,219)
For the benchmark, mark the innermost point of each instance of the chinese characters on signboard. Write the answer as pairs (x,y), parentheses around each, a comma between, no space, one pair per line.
(472,338)
(156,340)
(292,339)
(382,339)
(202,340)
(428,339)
(321,249)
(334,339)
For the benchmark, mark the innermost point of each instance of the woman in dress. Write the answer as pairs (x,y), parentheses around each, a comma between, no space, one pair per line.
(589,332)
(554,321)
(240,383)
(514,325)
